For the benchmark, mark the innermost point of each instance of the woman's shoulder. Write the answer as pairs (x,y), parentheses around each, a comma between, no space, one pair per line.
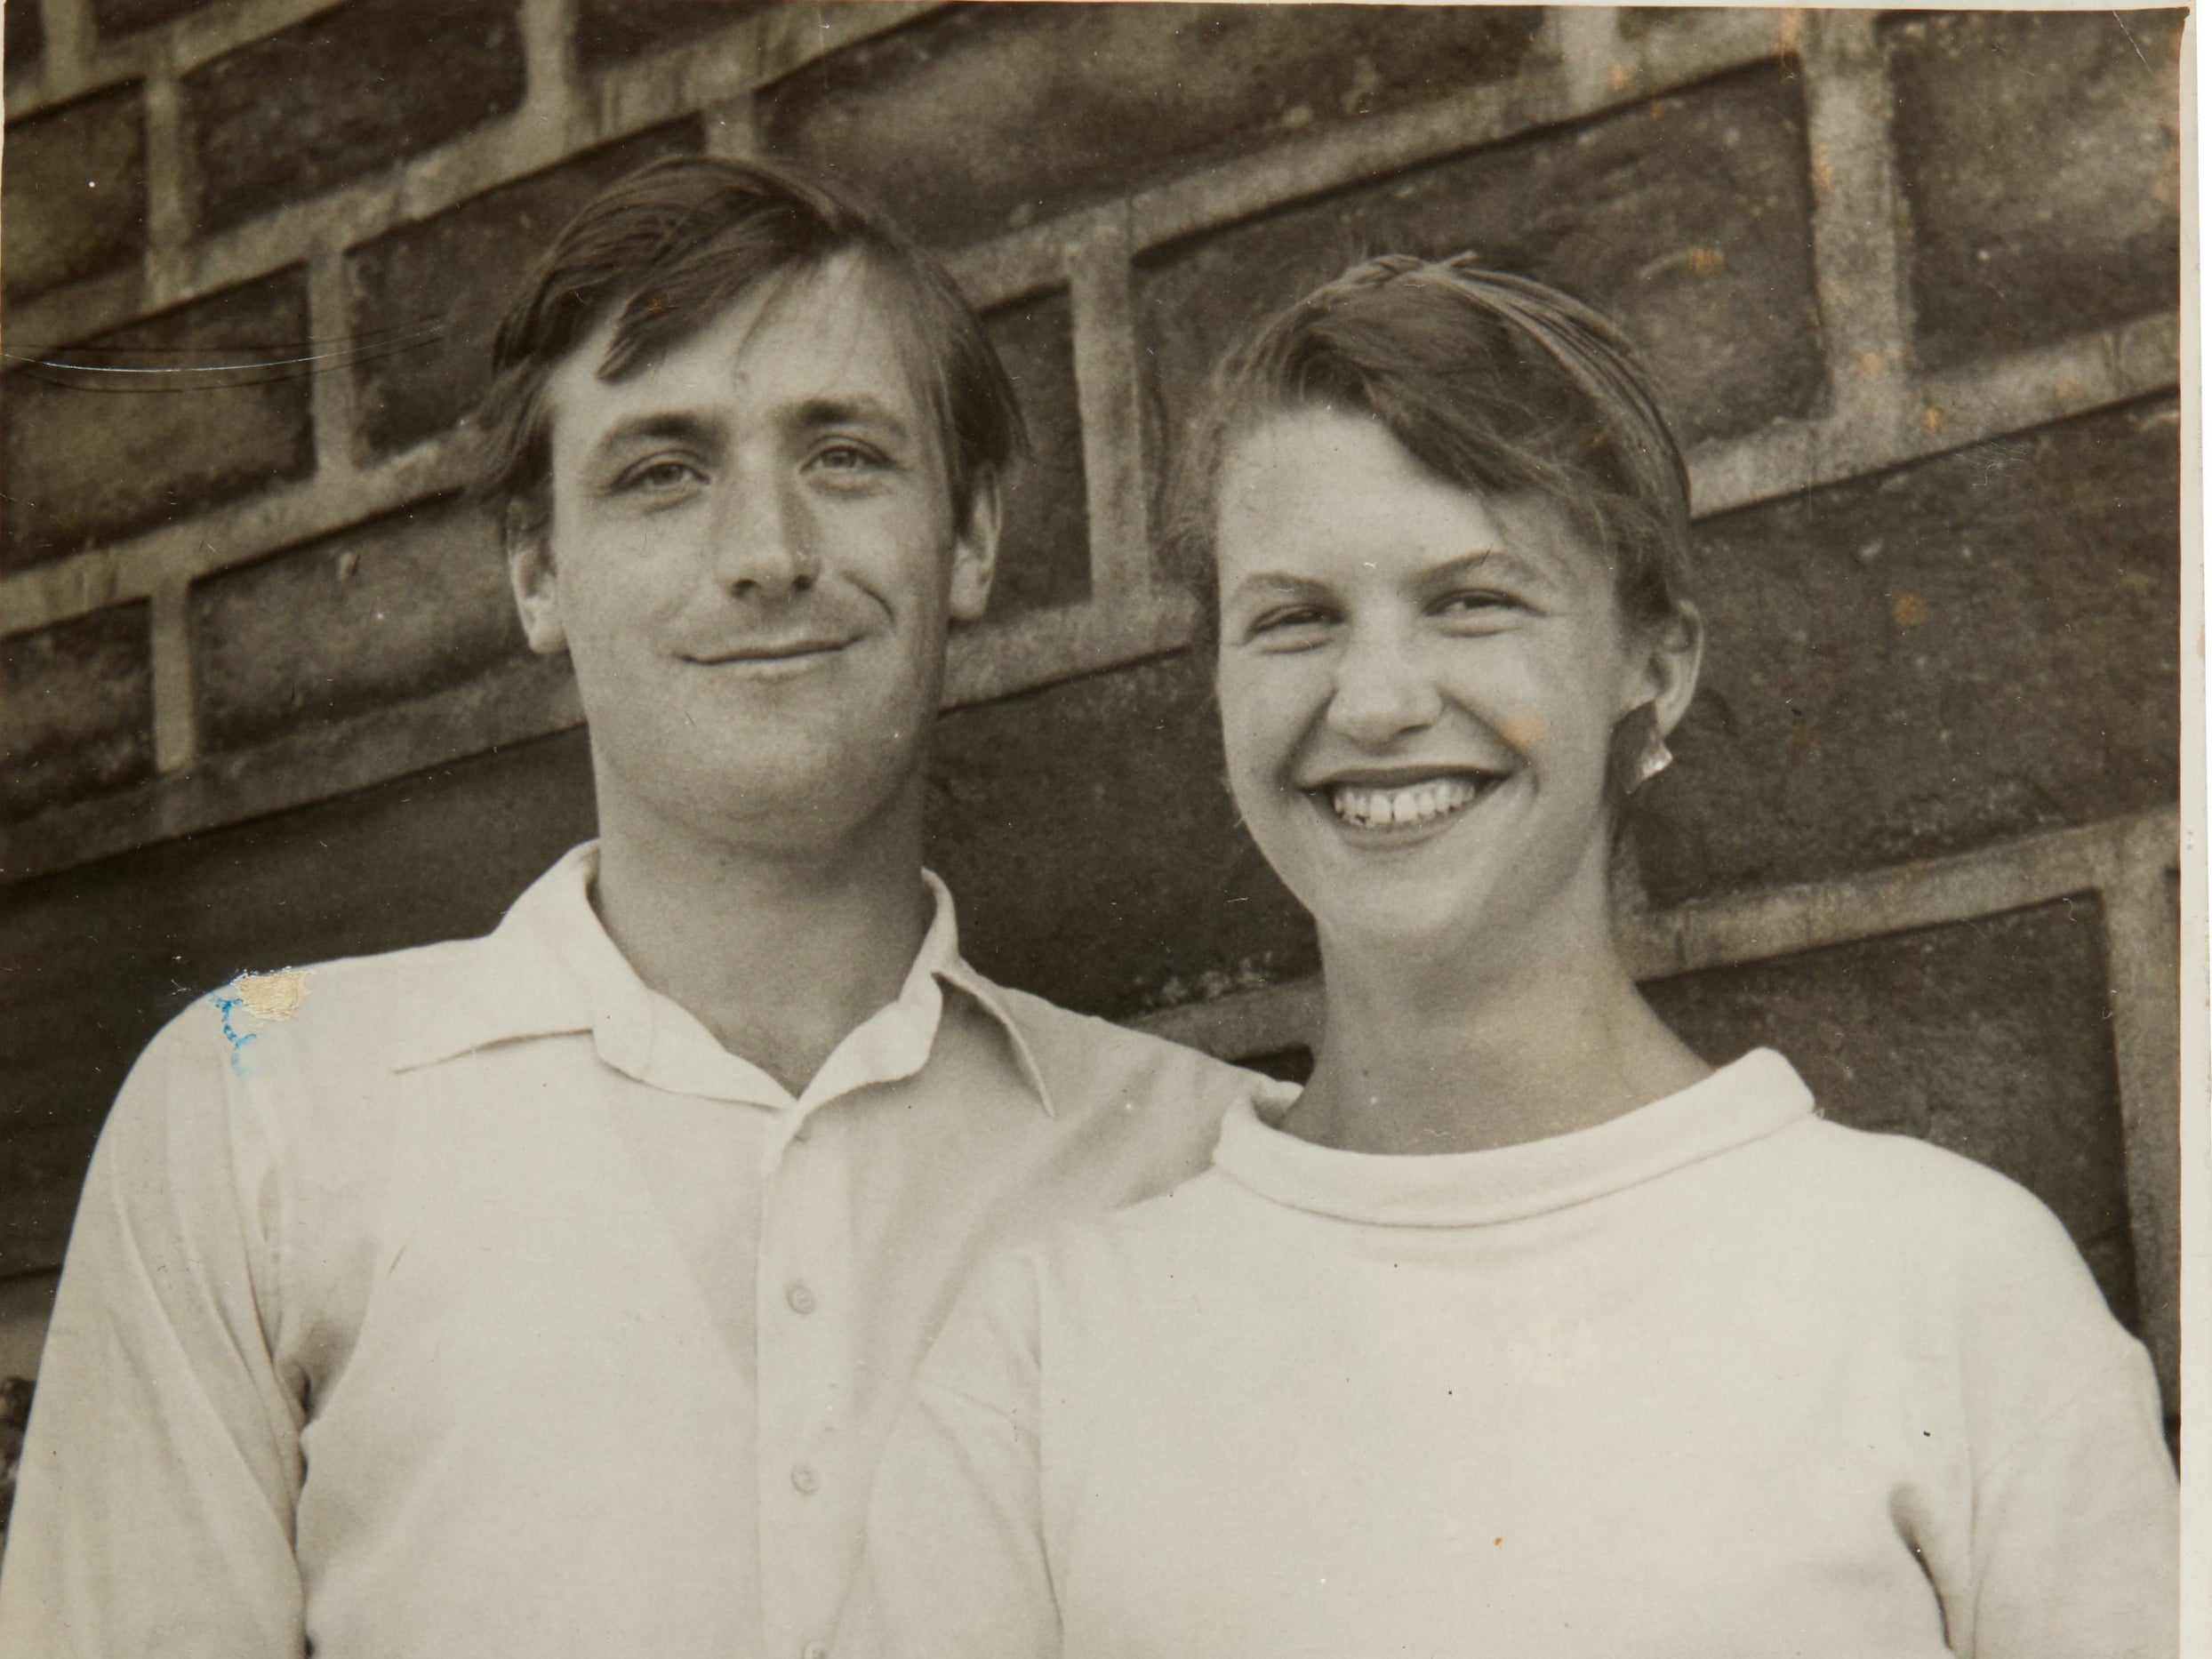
(1927,1197)
(1976,1253)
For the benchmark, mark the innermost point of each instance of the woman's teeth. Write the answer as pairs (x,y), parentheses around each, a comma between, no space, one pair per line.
(1419,804)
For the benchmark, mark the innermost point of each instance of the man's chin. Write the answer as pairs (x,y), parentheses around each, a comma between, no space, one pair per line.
(804,802)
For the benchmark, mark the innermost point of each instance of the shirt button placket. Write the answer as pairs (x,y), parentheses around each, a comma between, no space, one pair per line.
(803,1366)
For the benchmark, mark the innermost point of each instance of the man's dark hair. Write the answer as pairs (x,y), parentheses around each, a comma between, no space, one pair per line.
(667,250)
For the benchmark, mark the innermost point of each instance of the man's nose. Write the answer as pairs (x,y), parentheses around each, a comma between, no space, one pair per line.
(764,540)
(1383,691)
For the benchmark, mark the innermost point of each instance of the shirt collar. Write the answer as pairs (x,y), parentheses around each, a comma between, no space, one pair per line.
(1744,1101)
(555,971)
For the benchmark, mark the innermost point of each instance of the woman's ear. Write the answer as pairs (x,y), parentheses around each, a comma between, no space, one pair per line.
(530,573)
(1673,651)
(975,554)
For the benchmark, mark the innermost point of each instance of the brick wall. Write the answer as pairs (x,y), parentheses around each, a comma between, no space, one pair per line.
(1911,280)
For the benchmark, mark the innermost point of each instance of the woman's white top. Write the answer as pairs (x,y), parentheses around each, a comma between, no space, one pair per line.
(1716,1378)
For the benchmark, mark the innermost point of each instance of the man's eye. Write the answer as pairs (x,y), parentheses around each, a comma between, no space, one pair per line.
(661,477)
(845,456)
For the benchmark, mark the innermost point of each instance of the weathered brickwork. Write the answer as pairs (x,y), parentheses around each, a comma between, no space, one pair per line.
(2038,156)
(1098,808)
(1684,217)
(1909,279)
(615,31)
(126,17)
(26,39)
(1044,539)
(1060,105)
(1973,647)
(75,180)
(169,417)
(399,607)
(313,107)
(77,710)
(426,297)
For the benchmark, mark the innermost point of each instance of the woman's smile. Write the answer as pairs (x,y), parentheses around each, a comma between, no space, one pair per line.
(1397,807)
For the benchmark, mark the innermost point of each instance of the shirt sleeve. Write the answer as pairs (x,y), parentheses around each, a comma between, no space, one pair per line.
(154,1512)
(955,1564)
(2074,1515)
(2077,1530)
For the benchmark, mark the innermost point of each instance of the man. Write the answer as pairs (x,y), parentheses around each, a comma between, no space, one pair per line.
(551,1292)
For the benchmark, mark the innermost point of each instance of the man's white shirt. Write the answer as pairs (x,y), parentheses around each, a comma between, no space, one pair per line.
(484,1304)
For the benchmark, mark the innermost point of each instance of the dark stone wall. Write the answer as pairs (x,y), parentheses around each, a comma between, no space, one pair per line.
(1928,640)
(610,32)
(112,18)
(425,299)
(313,107)
(151,422)
(398,607)
(1088,831)
(1926,660)
(77,710)
(2038,157)
(991,118)
(75,180)
(1685,219)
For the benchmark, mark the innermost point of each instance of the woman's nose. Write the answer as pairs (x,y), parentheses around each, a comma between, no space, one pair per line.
(1383,690)
(765,540)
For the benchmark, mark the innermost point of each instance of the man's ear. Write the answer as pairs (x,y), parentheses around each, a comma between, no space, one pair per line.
(1674,651)
(530,573)
(975,554)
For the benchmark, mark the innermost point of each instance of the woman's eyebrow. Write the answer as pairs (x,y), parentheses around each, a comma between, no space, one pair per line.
(1485,563)
(1279,584)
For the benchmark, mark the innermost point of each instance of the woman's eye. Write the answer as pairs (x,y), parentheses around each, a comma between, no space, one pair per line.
(1477,603)
(1290,624)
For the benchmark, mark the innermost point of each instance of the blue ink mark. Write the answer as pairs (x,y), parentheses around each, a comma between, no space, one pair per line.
(227,1005)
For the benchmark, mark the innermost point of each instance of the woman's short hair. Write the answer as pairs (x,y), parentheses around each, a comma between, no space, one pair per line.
(1495,382)
(667,250)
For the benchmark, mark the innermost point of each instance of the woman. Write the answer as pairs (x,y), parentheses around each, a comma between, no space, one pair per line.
(1519,1331)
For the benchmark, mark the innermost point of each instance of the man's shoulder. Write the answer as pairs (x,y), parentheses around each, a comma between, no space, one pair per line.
(365,1007)
(1092,1063)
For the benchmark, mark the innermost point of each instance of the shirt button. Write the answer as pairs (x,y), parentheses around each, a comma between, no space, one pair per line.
(815,1650)
(803,1478)
(801,1300)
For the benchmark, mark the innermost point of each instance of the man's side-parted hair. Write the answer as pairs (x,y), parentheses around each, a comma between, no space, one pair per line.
(665,251)
(1496,383)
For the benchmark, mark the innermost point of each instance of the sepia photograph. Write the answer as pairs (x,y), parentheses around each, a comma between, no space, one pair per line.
(1095,827)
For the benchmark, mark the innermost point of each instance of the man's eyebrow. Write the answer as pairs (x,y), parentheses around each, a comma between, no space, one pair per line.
(675,426)
(859,410)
